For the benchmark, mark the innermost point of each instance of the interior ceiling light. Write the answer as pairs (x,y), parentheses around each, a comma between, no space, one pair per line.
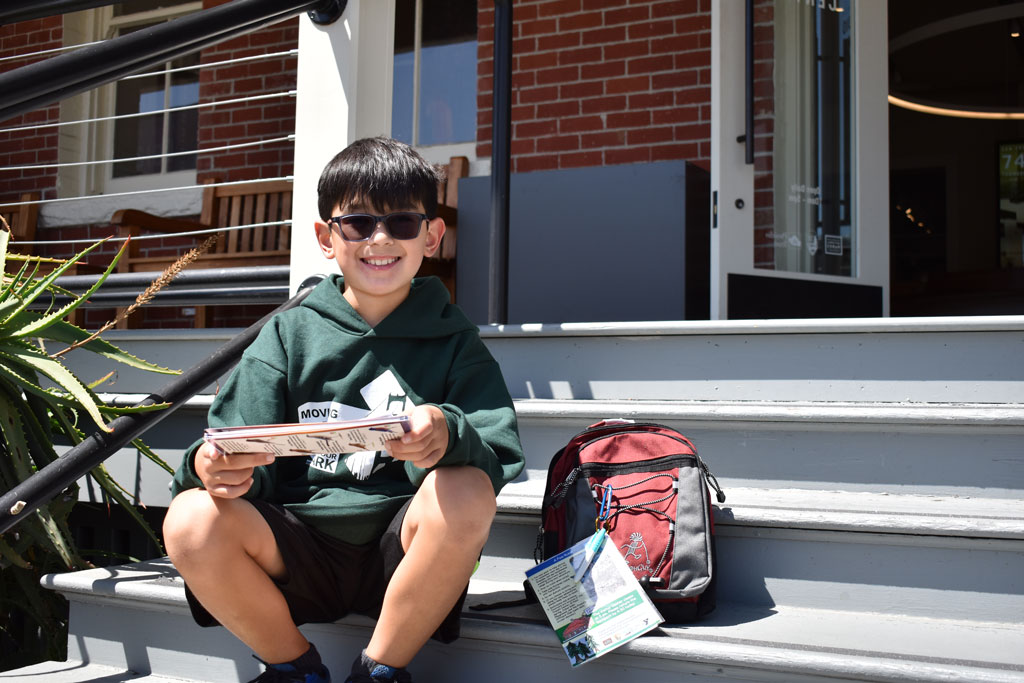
(957,112)
(1010,12)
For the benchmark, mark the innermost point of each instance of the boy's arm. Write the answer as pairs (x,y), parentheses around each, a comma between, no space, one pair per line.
(481,420)
(252,395)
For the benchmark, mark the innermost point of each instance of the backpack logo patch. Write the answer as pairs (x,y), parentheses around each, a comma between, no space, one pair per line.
(632,550)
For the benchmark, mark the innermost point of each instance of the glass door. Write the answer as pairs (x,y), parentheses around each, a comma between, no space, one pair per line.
(799,159)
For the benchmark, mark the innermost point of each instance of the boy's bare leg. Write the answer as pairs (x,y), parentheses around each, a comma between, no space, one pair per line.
(444,530)
(226,552)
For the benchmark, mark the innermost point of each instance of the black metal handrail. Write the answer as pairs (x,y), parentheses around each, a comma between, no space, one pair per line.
(26,497)
(208,286)
(45,82)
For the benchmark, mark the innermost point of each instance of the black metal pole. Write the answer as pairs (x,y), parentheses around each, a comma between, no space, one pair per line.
(54,79)
(22,10)
(501,161)
(44,485)
(748,141)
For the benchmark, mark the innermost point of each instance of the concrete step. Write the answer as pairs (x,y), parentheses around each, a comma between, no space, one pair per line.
(945,449)
(961,449)
(928,556)
(134,619)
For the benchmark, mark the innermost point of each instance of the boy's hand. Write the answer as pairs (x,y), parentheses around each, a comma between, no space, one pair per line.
(227,476)
(426,441)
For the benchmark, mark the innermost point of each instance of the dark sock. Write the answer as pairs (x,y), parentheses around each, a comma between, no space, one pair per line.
(369,666)
(309,661)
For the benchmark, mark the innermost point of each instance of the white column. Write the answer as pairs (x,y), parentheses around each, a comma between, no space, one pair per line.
(343,94)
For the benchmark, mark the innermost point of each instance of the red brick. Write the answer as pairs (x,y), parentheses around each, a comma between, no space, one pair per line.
(692,24)
(545,162)
(601,4)
(526,146)
(675,115)
(560,143)
(580,124)
(524,112)
(676,79)
(537,60)
(581,90)
(627,85)
(633,48)
(674,152)
(646,65)
(558,7)
(693,59)
(674,9)
(579,22)
(650,29)
(610,138)
(580,159)
(697,95)
(558,109)
(649,135)
(533,129)
(627,15)
(693,131)
(547,93)
(536,28)
(603,70)
(651,100)
(579,56)
(601,105)
(627,155)
(629,119)
(558,41)
(603,36)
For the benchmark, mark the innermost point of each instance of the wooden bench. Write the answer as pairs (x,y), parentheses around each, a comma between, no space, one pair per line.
(266,204)
(21,219)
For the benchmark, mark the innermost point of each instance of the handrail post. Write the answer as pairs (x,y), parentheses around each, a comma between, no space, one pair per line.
(501,160)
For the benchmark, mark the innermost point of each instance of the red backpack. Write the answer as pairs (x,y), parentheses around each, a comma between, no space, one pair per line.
(655,489)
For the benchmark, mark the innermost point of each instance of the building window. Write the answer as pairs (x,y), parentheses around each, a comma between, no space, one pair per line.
(171,84)
(434,97)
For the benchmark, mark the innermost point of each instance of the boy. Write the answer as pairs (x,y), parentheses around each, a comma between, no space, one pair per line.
(267,545)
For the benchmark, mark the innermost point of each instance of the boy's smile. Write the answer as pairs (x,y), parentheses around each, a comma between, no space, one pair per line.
(379,269)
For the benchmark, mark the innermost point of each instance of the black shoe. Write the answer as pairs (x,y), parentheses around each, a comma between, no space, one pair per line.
(286,673)
(365,670)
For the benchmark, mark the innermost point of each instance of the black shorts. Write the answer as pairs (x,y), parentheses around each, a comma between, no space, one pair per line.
(329,578)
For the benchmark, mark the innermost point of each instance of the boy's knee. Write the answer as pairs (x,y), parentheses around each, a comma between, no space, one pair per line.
(191,522)
(464,498)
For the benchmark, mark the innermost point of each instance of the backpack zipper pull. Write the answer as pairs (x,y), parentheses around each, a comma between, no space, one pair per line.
(710,479)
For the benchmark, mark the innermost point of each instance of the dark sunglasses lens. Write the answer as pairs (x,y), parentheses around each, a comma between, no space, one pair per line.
(404,226)
(357,226)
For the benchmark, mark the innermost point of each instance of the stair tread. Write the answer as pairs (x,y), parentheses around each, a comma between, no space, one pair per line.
(835,510)
(80,672)
(734,633)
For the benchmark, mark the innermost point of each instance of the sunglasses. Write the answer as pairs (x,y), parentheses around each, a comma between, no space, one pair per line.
(359,227)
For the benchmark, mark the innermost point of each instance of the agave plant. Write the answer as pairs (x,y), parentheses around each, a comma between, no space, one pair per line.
(41,401)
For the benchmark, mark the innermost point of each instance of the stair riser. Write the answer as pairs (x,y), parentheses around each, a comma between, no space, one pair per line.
(850,366)
(965,460)
(167,642)
(943,578)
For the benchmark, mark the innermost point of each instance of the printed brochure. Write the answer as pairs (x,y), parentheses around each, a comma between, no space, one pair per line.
(310,438)
(592,599)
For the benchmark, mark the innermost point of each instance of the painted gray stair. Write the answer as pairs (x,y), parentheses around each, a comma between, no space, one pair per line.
(873,530)
(131,623)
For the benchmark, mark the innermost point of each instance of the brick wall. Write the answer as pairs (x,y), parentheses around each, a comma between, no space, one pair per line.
(247,122)
(602,82)
(39,146)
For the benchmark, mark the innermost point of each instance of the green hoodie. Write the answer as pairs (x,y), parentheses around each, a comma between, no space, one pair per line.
(321,361)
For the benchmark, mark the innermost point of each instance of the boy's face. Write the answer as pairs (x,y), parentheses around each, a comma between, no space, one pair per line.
(378,270)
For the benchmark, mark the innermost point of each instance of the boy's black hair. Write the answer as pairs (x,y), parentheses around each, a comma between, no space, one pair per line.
(387,173)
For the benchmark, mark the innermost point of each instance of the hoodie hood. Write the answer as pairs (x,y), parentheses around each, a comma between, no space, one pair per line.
(426,313)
